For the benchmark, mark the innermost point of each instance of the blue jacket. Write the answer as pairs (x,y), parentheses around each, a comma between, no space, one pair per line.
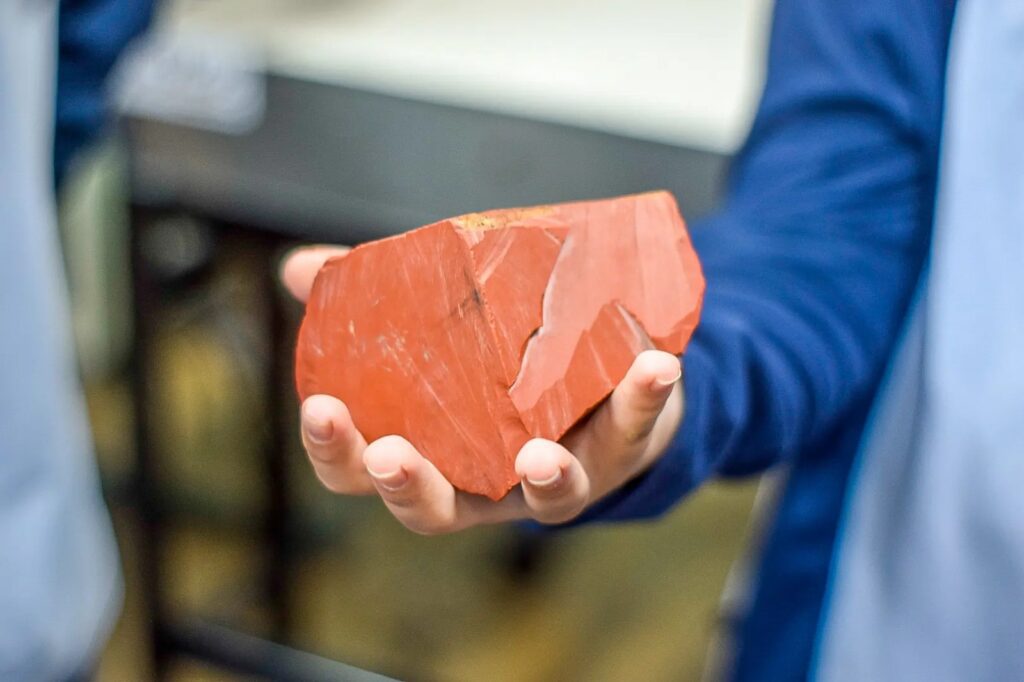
(91,34)
(810,266)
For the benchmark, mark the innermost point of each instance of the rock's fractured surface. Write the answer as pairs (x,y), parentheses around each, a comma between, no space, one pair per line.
(472,335)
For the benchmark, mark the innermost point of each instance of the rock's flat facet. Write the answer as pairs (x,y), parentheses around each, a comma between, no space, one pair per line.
(472,335)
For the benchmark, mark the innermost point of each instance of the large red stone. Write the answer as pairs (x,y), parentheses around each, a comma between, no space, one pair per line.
(474,334)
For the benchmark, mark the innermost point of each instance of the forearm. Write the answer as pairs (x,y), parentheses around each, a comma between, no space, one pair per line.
(812,261)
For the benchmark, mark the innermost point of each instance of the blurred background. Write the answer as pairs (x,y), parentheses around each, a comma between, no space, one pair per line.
(251,126)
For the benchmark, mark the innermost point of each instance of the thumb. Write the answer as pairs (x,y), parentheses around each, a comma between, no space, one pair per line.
(620,427)
(299,267)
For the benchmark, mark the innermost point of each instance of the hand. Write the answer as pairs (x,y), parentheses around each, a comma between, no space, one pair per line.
(623,437)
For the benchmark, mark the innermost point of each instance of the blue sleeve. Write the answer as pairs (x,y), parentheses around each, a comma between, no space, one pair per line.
(811,263)
(91,35)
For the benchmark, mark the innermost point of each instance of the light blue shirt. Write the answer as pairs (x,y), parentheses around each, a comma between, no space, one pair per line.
(930,575)
(59,577)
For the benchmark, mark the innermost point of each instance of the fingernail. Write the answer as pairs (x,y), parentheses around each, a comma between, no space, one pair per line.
(547,482)
(389,480)
(318,429)
(662,383)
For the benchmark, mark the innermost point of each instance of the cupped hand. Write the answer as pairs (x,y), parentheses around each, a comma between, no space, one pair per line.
(622,438)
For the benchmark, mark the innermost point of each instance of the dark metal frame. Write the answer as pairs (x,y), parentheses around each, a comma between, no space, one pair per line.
(211,643)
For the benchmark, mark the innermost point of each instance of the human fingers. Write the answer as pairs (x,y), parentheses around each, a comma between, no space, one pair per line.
(415,492)
(299,267)
(334,445)
(554,485)
(613,444)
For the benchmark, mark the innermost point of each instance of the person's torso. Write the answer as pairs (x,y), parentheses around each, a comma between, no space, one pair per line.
(898,549)
(58,565)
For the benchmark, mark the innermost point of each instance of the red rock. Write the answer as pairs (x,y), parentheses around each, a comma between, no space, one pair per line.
(474,334)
